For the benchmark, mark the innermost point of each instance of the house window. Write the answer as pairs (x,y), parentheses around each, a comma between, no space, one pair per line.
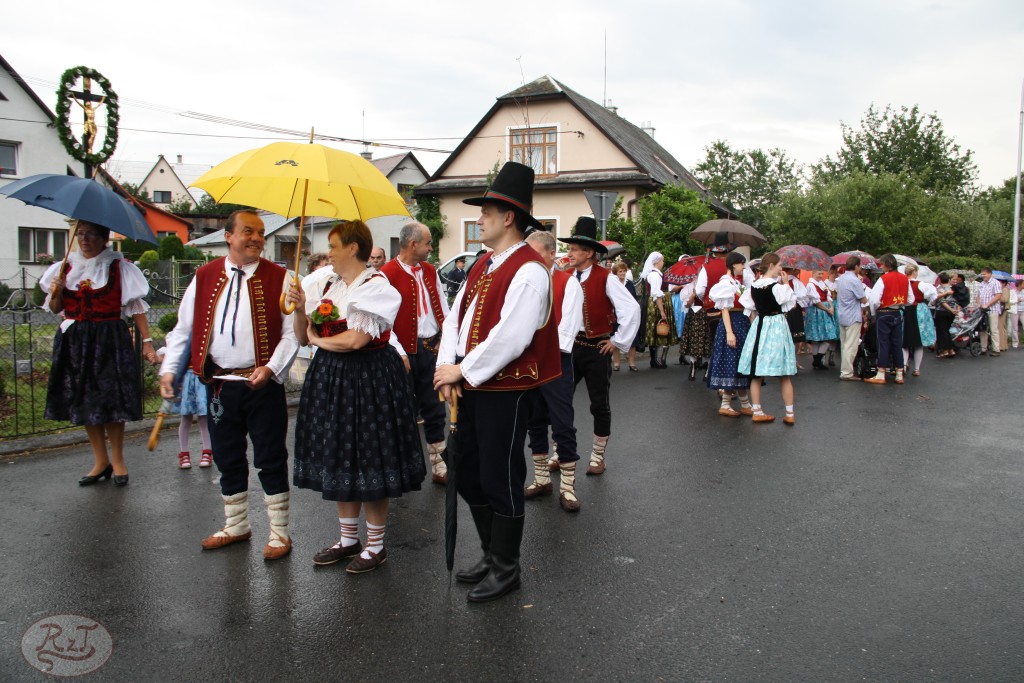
(471,235)
(34,243)
(549,224)
(161,197)
(535,147)
(8,158)
(406,192)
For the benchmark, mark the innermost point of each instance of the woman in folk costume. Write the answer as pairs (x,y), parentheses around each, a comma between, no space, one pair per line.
(830,282)
(795,315)
(821,329)
(659,310)
(94,380)
(730,338)
(918,324)
(769,350)
(699,333)
(356,439)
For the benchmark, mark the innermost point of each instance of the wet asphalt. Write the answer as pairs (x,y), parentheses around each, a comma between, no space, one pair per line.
(879,539)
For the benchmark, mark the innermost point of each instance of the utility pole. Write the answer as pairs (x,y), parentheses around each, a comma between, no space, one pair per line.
(1016,196)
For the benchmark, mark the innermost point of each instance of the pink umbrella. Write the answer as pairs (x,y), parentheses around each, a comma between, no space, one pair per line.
(803,257)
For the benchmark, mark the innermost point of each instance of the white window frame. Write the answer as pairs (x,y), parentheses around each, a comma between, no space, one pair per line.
(50,232)
(169,193)
(463,242)
(16,147)
(558,142)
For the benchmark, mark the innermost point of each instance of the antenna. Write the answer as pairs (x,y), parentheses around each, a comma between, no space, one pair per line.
(604,94)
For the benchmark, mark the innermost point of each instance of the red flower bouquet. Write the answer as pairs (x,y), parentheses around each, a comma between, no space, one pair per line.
(326,319)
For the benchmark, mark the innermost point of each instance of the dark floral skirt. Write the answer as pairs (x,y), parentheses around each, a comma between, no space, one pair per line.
(94,379)
(654,317)
(696,340)
(725,359)
(356,437)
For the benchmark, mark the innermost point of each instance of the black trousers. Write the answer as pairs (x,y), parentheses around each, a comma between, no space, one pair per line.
(263,416)
(590,365)
(492,433)
(421,381)
(552,405)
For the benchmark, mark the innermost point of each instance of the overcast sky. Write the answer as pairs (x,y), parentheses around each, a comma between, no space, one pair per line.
(757,74)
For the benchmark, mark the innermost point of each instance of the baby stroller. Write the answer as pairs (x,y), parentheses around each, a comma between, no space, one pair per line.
(865,363)
(966,328)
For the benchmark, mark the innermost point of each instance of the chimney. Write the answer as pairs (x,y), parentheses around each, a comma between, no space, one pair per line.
(647,128)
(612,108)
(366,154)
(179,158)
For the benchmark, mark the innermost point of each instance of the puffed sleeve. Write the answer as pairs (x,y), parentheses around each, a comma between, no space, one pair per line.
(786,297)
(372,307)
(928,292)
(134,287)
(313,290)
(747,299)
(47,279)
(724,293)
(654,280)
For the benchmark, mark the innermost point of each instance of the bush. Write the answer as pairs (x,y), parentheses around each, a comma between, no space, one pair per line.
(5,293)
(38,296)
(148,260)
(171,247)
(167,322)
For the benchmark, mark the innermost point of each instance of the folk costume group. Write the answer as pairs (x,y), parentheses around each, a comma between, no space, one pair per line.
(518,338)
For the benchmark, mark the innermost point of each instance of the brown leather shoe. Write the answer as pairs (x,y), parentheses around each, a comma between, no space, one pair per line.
(535,490)
(441,479)
(789,420)
(596,469)
(271,552)
(336,553)
(568,504)
(763,417)
(746,411)
(727,411)
(361,566)
(213,542)
(875,380)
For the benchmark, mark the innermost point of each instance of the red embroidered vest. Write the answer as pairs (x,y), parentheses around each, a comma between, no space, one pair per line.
(334,327)
(715,269)
(264,285)
(821,291)
(407,320)
(598,310)
(559,278)
(95,304)
(895,290)
(541,362)
(915,286)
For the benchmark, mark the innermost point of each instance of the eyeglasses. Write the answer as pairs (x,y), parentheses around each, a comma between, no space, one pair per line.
(89,236)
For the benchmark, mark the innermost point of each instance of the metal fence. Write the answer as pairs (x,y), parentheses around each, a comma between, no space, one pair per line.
(27,332)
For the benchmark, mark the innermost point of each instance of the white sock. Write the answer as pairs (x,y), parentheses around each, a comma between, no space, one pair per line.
(374,540)
(745,401)
(918,357)
(756,407)
(726,401)
(349,531)
(789,410)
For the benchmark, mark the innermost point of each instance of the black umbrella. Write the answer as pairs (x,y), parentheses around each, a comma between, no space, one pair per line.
(452,458)
(739,234)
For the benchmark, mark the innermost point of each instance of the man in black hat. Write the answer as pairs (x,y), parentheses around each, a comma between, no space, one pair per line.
(456,277)
(498,345)
(611,317)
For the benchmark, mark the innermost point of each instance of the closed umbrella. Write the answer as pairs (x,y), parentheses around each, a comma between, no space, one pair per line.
(452,458)
(299,179)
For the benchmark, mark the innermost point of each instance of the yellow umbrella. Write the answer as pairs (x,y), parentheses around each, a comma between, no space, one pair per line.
(299,179)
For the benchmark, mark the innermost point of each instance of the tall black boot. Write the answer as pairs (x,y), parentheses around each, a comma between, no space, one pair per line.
(817,364)
(664,358)
(503,577)
(483,518)
(654,356)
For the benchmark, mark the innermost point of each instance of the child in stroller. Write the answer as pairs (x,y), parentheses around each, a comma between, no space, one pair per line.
(865,363)
(965,330)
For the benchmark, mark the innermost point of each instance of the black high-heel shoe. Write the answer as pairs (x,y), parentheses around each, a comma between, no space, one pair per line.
(120,480)
(90,479)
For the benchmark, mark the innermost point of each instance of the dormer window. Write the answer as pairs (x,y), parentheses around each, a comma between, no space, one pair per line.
(535,147)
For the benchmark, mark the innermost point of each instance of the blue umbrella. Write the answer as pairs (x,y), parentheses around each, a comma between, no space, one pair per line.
(1002,276)
(83,199)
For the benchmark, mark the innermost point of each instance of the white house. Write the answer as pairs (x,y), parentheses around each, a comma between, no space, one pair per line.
(28,145)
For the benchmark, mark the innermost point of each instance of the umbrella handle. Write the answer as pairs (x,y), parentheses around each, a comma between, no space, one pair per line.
(286,307)
(154,436)
(453,407)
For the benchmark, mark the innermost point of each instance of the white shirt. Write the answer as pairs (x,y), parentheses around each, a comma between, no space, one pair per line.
(134,285)
(524,311)
(627,310)
(724,293)
(654,282)
(784,295)
(241,354)
(426,323)
(572,315)
(368,305)
(875,298)
(927,291)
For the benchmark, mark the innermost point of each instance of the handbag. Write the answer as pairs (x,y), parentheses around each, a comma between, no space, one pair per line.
(662,329)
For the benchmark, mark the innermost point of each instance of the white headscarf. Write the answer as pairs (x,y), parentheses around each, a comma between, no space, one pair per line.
(654,257)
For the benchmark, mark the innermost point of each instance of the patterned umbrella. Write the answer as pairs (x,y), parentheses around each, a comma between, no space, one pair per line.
(740,234)
(684,272)
(867,261)
(804,257)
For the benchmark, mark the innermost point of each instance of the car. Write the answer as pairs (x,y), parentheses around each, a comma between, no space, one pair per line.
(445,270)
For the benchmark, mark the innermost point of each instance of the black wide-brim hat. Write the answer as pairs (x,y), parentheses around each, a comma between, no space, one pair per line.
(585,235)
(513,187)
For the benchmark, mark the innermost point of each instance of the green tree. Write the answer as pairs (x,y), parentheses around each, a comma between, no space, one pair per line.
(148,260)
(133,249)
(171,247)
(136,191)
(428,212)
(663,223)
(904,142)
(749,181)
(193,254)
(182,206)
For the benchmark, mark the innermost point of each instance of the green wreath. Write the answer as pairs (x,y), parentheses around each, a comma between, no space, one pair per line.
(75,148)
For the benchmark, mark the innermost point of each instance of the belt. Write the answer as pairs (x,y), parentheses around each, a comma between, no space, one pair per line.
(431,344)
(890,309)
(591,342)
(240,372)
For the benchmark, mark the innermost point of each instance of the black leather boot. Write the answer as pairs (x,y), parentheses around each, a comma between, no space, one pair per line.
(664,358)
(483,516)
(503,577)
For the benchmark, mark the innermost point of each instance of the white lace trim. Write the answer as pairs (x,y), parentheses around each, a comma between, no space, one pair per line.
(373,325)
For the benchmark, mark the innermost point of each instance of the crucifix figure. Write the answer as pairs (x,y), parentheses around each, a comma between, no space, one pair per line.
(89,111)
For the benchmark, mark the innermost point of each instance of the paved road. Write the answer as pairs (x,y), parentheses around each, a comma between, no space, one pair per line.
(879,539)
